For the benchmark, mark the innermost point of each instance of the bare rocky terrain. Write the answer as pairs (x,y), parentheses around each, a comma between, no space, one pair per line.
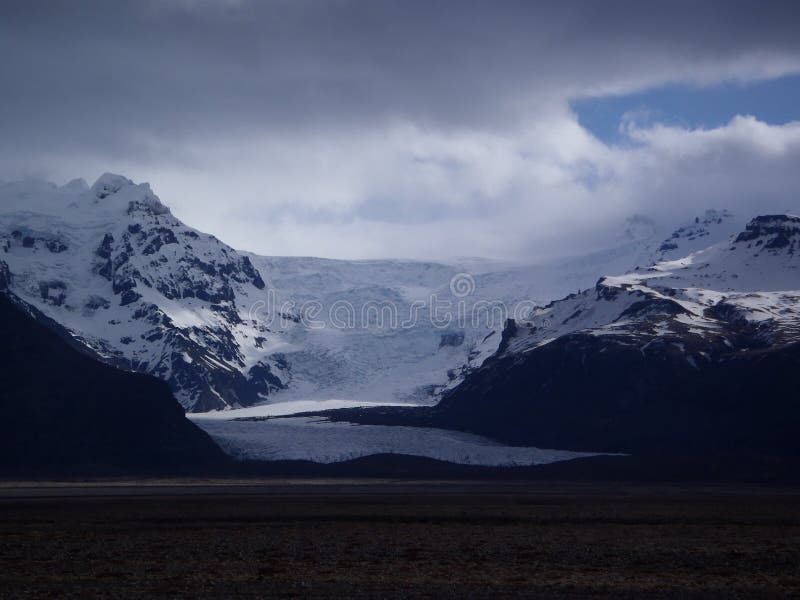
(383,539)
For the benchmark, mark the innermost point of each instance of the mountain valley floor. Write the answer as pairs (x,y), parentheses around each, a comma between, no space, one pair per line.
(397,539)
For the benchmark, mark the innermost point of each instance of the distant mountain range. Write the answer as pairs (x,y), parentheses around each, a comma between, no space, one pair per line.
(226,329)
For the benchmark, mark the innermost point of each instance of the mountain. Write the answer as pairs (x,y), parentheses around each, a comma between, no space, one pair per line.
(699,354)
(412,353)
(64,413)
(694,347)
(112,265)
(226,329)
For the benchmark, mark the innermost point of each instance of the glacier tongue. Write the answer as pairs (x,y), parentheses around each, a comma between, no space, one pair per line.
(319,441)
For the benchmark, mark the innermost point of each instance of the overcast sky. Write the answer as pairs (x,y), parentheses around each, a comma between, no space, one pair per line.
(410,129)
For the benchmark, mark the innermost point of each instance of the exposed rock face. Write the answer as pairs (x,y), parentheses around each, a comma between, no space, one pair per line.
(773,232)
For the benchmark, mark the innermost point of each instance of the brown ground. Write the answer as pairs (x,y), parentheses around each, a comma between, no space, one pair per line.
(386,540)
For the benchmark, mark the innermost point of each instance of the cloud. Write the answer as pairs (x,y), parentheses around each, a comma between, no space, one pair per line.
(424,129)
(549,189)
(745,166)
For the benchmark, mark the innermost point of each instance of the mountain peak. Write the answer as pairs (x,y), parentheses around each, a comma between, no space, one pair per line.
(772,232)
(77,185)
(109,183)
(138,196)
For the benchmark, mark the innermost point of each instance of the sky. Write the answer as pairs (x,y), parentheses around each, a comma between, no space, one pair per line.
(410,129)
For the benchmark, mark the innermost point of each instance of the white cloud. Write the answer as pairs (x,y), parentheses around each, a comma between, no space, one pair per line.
(403,191)
(552,188)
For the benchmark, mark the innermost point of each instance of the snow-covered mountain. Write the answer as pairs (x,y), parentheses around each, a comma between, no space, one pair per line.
(694,359)
(700,352)
(642,243)
(418,362)
(143,291)
(752,280)
(226,329)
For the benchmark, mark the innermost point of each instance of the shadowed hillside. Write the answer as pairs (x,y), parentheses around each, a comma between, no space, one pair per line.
(64,412)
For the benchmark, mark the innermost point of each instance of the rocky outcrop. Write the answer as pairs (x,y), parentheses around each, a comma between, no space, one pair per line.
(773,232)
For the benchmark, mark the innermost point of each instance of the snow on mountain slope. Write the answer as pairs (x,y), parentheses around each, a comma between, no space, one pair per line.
(642,243)
(229,329)
(695,356)
(414,363)
(369,344)
(740,292)
(145,292)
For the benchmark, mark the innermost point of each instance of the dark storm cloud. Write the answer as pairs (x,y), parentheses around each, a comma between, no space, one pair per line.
(108,74)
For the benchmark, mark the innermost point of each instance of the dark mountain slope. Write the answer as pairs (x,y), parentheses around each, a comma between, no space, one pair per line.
(698,355)
(65,413)
(587,393)
(591,393)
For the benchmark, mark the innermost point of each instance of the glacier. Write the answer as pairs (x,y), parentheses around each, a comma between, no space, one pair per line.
(227,329)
